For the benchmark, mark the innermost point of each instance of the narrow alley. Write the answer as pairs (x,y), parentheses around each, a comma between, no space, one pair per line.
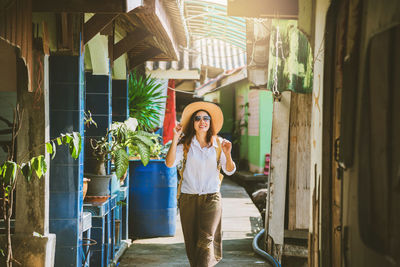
(240,223)
(109,109)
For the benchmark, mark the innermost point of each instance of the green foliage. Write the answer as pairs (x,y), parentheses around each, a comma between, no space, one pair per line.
(74,142)
(9,171)
(121,203)
(121,161)
(147,140)
(37,165)
(27,170)
(145,100)
(119,137)
(144,152)
(154,142)
(88,120)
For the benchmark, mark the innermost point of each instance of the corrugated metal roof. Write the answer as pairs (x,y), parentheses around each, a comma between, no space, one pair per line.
(216,40)
(203,53)
(210,20)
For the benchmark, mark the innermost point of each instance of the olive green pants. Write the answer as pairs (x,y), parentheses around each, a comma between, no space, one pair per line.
(201,226)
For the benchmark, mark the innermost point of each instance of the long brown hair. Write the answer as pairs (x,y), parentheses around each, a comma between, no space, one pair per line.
(190,132)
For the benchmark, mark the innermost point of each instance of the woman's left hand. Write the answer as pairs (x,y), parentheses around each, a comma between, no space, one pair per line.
(226,147)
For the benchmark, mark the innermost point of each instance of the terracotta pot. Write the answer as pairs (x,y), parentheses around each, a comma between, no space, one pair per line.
(85,186)
(96,199)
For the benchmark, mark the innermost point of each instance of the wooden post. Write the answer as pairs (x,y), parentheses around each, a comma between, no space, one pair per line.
(299,161)
(275,220)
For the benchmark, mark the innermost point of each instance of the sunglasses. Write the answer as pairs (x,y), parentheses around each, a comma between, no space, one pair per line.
(205,118)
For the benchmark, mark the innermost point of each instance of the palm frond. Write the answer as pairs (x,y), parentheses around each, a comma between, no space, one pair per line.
(145,100)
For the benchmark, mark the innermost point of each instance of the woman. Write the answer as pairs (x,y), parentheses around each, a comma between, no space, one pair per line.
(199,151)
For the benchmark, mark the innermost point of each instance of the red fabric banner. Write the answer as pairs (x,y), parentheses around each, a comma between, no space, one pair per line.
(170,113)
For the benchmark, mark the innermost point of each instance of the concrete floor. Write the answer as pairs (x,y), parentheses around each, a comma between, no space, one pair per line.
(240,222)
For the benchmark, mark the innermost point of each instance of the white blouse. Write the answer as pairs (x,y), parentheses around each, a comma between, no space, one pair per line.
(201,175)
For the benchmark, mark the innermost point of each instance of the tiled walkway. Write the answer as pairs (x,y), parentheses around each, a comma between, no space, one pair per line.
(240,222)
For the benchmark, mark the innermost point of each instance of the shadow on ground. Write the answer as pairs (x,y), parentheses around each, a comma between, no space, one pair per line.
(236,252)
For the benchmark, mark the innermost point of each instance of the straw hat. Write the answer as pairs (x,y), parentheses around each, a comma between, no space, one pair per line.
(215,112)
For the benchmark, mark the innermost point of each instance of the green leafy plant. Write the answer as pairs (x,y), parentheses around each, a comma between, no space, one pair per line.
(29,167)
(156,149)
(145,100)
(113,146)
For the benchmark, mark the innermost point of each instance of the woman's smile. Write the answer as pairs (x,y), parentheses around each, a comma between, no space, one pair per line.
(202,123)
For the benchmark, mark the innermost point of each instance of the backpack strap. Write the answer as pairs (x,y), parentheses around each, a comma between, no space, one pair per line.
(185,152)
(219,150)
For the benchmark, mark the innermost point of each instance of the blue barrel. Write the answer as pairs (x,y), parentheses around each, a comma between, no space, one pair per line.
(152,199)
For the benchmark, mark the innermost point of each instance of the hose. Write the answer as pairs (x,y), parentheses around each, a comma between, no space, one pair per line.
(261,252)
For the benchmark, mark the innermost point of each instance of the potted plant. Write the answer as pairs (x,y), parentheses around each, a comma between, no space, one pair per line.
(113,147)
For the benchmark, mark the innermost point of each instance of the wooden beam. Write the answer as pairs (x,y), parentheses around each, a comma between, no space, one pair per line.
(144,56)
(129,42)
(110,49)
(46,41)
(296,234)
(95,24)
(108,30)
(157,19)
(64,30)
(86,6)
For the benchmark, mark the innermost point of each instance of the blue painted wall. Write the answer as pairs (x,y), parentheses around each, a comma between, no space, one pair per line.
(120,112)
(119,100)
(66,174)
(98,102)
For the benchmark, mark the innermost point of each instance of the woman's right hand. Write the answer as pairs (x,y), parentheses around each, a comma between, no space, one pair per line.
(177,132)
(170,158)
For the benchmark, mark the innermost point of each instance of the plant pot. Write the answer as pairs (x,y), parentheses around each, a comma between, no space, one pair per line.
(99,184)
(93,164)
(96,199)
(85,186)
